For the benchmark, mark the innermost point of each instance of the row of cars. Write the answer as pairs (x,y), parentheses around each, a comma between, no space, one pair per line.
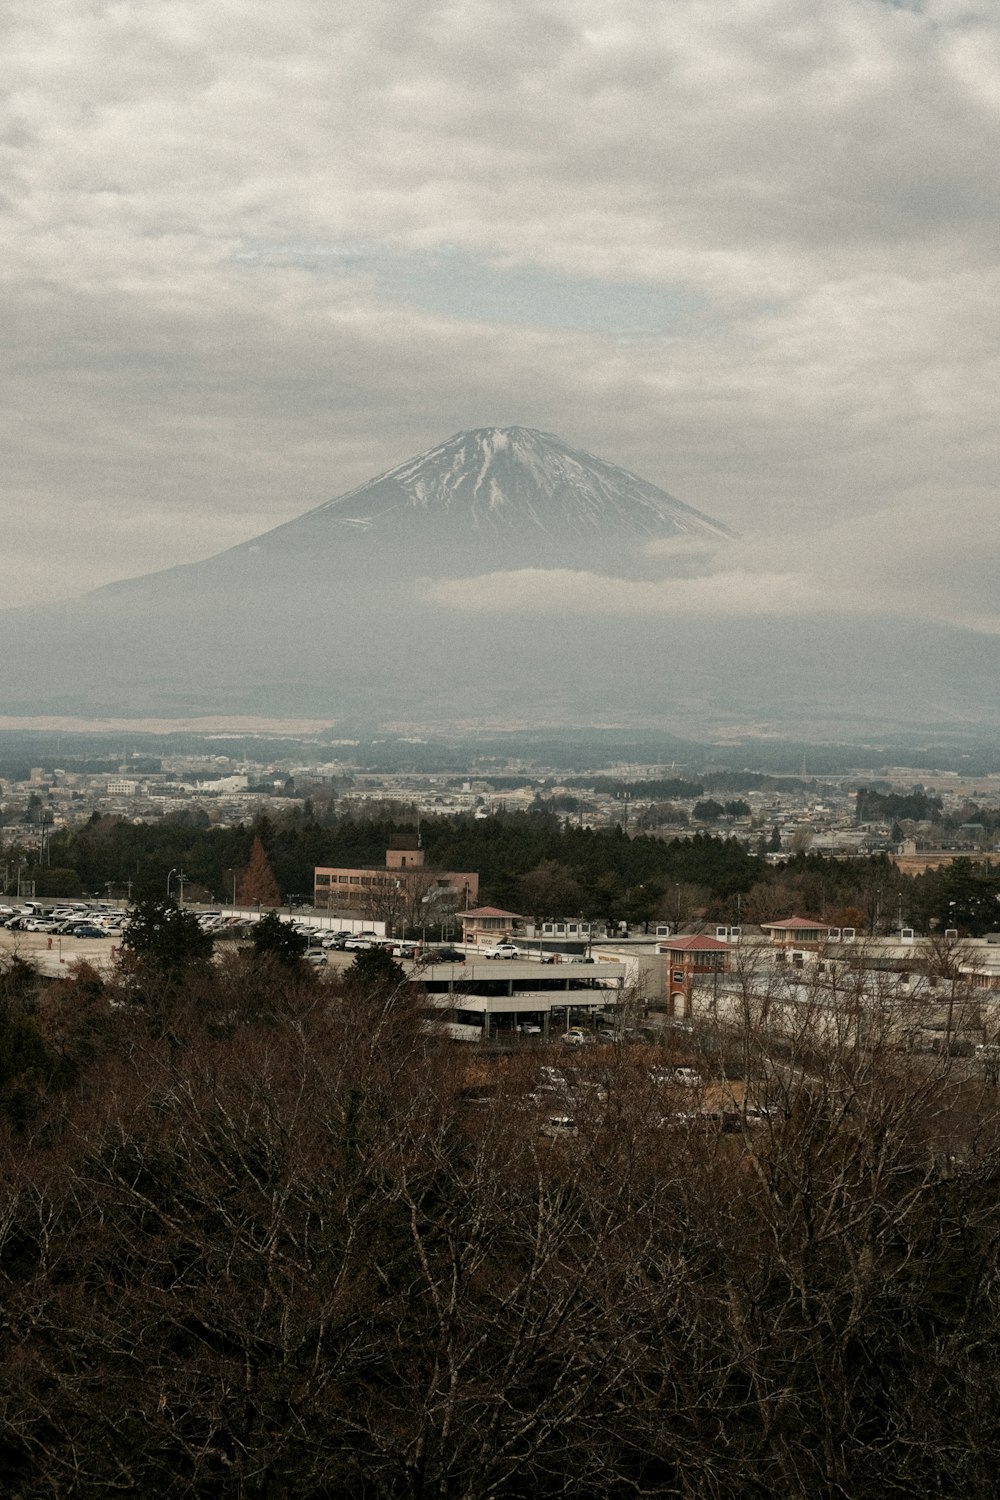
(361,942)
(66,921)
(222,924)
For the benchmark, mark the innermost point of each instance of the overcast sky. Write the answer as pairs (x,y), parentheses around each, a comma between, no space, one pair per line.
(254,254)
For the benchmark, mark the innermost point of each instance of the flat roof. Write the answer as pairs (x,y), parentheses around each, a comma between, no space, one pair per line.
(518,970)
(524,1000)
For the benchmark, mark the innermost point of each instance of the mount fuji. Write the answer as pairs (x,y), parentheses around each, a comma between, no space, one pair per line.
(508,487)
(345,613)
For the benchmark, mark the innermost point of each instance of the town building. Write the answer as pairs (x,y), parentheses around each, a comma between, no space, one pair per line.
(485,925)
(473,1001)
(691,961)
(405,891)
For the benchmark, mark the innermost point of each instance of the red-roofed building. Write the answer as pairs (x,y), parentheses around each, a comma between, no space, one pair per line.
(489,924)
(691,959)
(796,932)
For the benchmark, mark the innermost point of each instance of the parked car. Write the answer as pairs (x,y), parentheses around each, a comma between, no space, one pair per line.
(315,956)
(443,956)
(501,950)
(336,939)
(557,1126)
(577,1037)
(688,1078)
(88,930)
(359,941)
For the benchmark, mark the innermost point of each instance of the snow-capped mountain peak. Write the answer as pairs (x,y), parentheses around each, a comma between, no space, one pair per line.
(500,479)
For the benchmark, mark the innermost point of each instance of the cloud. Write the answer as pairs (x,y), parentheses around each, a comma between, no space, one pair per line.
(562,592)
(904,563)
(252,255)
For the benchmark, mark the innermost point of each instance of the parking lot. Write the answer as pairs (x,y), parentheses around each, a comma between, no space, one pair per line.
(54,954)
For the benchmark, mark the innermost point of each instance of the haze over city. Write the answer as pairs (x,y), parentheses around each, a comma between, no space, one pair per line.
(747,252)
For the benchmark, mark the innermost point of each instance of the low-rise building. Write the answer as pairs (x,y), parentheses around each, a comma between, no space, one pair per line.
(475,1001)
(485,925)
(690,961)
(403,892)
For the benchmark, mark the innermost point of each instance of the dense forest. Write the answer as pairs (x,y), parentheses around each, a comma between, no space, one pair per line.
(534,862)
(260,1237)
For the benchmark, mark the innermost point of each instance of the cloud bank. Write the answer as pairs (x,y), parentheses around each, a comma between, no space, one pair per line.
(904,562)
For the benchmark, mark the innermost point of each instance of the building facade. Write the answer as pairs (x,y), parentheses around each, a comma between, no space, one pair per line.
(405,891)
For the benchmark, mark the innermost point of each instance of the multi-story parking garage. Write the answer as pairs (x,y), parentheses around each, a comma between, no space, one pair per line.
(479,1000)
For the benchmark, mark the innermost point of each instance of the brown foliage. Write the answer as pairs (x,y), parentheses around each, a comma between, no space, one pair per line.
(257,884)
(272,1248)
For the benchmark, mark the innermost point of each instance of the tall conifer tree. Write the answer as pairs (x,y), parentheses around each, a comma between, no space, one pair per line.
(258,883)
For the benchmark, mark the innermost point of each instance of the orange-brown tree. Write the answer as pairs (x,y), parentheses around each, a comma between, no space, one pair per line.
(258,886)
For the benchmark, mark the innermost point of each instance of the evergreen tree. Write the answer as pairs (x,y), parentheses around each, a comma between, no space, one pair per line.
(375,971)
(165,938)
(279,939)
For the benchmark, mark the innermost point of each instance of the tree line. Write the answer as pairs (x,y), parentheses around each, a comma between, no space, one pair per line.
(532,862)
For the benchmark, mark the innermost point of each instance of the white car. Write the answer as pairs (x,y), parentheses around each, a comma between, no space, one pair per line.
(688,1078)
(501,950)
